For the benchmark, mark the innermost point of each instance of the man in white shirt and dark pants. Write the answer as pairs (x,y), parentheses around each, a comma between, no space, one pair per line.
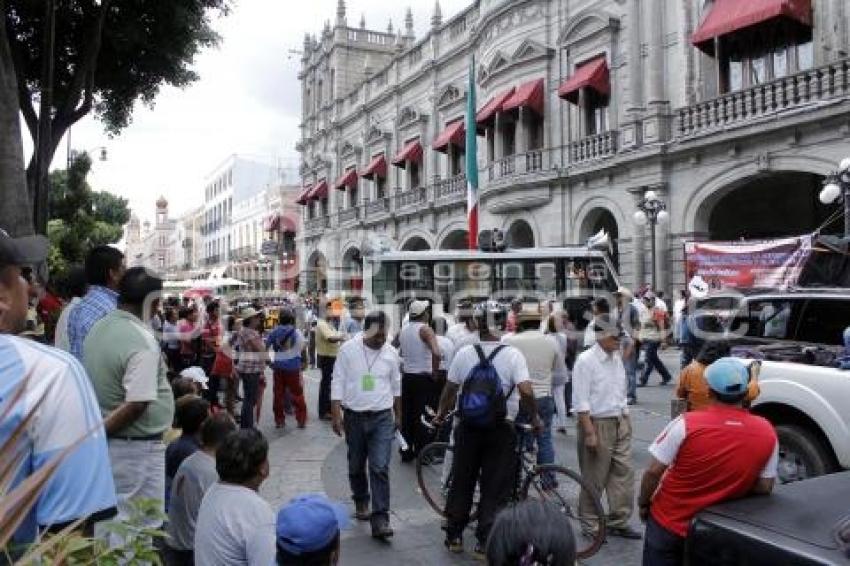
(366,407)
(605,431)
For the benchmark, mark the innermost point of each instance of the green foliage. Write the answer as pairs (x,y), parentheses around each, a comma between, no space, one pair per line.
(80,218)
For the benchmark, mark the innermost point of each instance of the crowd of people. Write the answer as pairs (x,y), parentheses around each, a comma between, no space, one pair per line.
(152,389)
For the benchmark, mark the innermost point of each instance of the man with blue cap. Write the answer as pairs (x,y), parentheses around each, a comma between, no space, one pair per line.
(308,530)
(703,458)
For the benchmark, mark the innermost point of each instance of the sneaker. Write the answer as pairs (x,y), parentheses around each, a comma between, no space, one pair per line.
(626,532)
(382,530)
(361,512)
(632,400)
(454,544)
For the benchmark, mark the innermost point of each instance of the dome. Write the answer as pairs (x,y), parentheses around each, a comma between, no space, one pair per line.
(161,202)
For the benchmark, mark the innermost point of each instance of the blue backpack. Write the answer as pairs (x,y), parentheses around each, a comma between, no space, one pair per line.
(483,403)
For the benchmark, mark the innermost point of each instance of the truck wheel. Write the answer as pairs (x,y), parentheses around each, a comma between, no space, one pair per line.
(801,454)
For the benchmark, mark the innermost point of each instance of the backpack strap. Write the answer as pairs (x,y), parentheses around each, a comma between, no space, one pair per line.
(493,354)
(481,357)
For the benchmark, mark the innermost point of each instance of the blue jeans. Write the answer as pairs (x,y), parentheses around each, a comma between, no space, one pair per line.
(545,448)
(369,436)
(630,364)
(654,362)
(661,547)
(250,392)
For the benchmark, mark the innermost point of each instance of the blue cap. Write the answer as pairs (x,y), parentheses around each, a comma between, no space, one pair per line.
(309,523)
(728,376)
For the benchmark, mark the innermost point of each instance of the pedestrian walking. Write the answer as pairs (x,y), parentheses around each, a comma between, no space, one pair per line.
(328,339)
(546,369)
(562,392)
(679,306)
(420,382)
(605,431)
(487,375)
(308,531)
(210,344)
(628,318)
(50,386)
(250,363)
(366,402)
(76,287)
(236,527)
(104,269)
(126,367)
(353,323)
(193,478)
(703,458)
(654,334)
(288,344)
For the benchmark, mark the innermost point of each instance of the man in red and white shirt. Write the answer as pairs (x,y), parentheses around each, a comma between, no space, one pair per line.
(703,458)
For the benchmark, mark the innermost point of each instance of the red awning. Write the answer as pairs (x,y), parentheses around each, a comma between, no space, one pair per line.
(486,114)
(593,74)
(271,223)
(728,16)
(320,191)
(411,152)
(303,196)
(453,134)
(348,180)
(377,168)
(529,95)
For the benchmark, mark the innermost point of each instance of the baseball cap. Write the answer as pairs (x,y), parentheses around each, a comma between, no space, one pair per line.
(418,307)
(727,376)
(309,523)
(197,375)
(25,250)
(249,312)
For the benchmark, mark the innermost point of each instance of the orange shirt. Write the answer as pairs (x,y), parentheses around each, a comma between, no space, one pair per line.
(693,387)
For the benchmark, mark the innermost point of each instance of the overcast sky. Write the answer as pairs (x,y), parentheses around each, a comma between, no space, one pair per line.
(247,101)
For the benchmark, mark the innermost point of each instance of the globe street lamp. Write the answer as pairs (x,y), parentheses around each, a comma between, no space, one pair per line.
(653,211)
(836,187)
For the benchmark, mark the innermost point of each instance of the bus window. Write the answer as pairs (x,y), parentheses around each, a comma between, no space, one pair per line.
(384,280)
(521,278)
(583,275)
(473,278)
(415,276)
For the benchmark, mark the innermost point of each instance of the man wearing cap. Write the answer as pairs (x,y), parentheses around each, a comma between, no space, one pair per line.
(420,382)
(328,339)
(702,458)
(604,428)
(250,363)
(308,530)
(126,367)
(55,389)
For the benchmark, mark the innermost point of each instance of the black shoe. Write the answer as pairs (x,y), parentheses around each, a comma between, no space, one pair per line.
(454,544)
(625,532)
(666,381)
(361,512)
(642,383)
(382,530)
(632,400)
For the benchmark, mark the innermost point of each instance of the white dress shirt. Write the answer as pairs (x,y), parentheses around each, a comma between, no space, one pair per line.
(599,384)
(355,361)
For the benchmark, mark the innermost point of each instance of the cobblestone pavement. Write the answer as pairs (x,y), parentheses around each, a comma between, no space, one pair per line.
(314,460)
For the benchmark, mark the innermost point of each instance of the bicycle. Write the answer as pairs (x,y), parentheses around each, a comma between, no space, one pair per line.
(560,486)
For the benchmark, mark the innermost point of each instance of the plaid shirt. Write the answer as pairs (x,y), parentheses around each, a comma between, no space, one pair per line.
(97,303)
(248,361)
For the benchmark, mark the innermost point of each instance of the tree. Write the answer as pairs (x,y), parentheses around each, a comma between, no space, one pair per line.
(109,55)
(82,218)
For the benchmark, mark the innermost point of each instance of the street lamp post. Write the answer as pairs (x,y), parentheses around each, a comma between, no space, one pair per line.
(836,188)
(653,211)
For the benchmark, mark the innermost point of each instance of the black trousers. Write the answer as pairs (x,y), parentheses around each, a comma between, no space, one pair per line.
(661,547)
(326,365)
(487,456)
(418,390)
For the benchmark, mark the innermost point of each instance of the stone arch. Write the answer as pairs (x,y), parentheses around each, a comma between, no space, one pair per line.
(352,270)
(416,244)
(317,273)
(588,207)
(457,239)
(703,200)
(520,235)
(586,23)
(601,218)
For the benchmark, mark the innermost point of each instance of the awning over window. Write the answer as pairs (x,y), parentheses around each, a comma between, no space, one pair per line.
(453,134)
(348,180)
(494,106)
(377,168)
(729,16)
(303,196)
(593,74)
(529,95)
(271,223)
(320,191)
(411,152)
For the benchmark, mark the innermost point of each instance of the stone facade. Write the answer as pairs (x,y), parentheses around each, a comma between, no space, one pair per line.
(730,146)
(154,246)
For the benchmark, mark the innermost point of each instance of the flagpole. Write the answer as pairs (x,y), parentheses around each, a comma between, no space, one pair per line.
(471,160)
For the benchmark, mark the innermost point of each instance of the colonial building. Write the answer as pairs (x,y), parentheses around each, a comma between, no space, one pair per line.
(152,246)
(732,111)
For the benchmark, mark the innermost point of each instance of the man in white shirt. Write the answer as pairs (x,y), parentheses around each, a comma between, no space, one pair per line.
(366,406)
(605,431)
(236,527)
(464,332)
(547,369)
(485,453)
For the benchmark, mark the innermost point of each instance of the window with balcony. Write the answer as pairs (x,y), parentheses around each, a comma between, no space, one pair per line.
(508,138)
(457,158)
(770,51)
(415,173)
(380,187)
(323,207)
(353,196)
(595,112)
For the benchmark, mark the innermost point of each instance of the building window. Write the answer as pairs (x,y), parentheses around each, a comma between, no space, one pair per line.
(457,156)
(324,207)
(352,196)
(595,112)
(380,187)
(535,131)
(770,51)
(415,174)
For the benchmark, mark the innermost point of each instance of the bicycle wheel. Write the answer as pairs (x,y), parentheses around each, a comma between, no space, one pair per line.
(434,475)
(575,498)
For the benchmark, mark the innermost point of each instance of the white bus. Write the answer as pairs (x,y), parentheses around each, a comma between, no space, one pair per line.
(570,277)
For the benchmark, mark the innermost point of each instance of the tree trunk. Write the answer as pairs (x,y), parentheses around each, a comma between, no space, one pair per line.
(15,209)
